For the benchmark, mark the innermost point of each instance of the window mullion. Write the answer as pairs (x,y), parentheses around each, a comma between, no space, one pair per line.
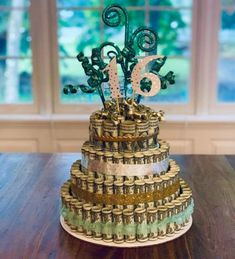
(54,57)
(40,31)
(207,47)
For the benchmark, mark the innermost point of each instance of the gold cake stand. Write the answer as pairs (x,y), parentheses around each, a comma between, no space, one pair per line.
(125,244)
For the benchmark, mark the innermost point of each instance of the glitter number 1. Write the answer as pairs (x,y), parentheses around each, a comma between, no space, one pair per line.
(113,78)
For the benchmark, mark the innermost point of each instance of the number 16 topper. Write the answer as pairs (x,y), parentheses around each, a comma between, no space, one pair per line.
(136,77)
(144,39)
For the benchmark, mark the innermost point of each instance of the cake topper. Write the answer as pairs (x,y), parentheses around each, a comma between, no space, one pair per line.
(142,39)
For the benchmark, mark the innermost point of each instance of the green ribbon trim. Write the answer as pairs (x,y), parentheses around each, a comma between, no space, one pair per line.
(122,229)
(97,227)
(130,229)
(162,224)
(153,227)
(107,228)
(78,221)
(118,229)
(87,225)
(142,229)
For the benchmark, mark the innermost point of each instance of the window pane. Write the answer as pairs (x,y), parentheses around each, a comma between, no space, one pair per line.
(226,85)
(15,36)
(174,30)
(179,92)
(226,66)
(78,31)
(75,3)
(71,72)
(171,2)
(15,55)
(14,3)
(15,76)
(117,34)
(227,34)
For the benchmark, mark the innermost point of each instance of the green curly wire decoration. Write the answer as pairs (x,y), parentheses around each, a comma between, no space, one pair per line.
(143,38)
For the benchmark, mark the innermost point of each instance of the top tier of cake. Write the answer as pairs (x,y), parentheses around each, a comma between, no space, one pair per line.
(133,128)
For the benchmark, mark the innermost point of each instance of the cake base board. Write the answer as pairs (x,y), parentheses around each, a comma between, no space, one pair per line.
(125,244)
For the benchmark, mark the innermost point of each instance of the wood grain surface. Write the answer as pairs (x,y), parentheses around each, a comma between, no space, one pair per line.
(29,211)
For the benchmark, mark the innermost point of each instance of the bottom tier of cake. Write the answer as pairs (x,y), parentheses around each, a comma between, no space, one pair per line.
(126,223)
(157,241)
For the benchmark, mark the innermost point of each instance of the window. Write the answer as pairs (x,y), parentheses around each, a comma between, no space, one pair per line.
(38,55)
(15,53)
(80,28)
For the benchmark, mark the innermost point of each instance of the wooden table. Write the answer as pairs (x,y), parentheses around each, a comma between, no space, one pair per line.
(29,211)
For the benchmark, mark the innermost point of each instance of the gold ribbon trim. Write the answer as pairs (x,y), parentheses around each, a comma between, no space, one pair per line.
(123,138)
(125,199)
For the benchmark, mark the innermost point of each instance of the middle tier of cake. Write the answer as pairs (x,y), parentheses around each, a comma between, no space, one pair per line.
(150,162)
